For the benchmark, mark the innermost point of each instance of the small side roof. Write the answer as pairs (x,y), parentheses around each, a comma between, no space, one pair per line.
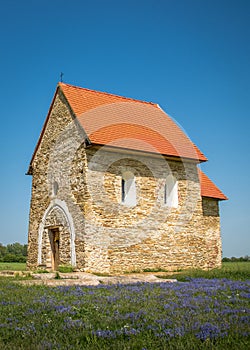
(208,188)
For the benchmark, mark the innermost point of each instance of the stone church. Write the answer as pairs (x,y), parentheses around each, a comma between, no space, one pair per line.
(117,187)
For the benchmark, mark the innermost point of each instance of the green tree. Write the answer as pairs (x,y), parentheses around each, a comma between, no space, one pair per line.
(3,251)
(15,248)
(14,252)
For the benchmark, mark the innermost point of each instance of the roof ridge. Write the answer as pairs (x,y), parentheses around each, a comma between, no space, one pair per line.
(107,93)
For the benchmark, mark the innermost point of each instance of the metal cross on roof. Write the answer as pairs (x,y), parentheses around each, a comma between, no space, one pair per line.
(61,77)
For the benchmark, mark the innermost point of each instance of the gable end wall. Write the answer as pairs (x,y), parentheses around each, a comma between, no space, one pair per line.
(52,163)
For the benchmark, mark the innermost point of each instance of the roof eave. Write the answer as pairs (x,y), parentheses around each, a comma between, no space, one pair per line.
(130,150)
(222,198)
(58,88)
(30,170)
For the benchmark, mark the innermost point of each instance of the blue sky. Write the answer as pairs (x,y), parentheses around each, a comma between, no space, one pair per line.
(192,57)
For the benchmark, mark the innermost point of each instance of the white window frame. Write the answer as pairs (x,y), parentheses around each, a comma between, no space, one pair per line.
(171,192)
(128,189)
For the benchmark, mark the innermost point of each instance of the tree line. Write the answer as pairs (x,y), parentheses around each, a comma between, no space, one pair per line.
(14,252)
(234,259)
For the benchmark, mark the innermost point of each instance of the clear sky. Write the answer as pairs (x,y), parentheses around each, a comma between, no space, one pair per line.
(190,56)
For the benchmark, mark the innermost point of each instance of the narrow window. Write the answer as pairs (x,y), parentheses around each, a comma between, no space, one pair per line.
(55,188)
(128,189)
(123,190)
(165,193)
(171,192)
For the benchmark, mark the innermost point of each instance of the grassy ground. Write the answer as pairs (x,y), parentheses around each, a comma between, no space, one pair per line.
(12,266)
(230,270)
(198,314)
(210,310)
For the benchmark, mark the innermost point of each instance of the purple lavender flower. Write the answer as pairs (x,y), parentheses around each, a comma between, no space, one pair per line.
(209,331)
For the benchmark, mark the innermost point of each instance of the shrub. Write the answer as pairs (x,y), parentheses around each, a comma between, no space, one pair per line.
(9,257)
(65,268)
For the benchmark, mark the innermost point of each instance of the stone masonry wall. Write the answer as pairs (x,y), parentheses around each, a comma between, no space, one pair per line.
(51,183)
(149,235)
(211,222)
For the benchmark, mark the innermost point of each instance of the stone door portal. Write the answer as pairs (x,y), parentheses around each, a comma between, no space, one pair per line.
(56,237)
(55,248)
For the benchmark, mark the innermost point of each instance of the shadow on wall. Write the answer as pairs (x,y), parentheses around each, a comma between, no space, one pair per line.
(210,207)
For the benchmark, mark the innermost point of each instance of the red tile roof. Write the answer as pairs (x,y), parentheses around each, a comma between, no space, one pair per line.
(132,124)
(127,123)
(208,188)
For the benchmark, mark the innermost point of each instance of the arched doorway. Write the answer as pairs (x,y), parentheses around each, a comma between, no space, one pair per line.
(56,237)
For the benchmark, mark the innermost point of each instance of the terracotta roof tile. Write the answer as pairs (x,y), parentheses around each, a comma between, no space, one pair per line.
(209,189)
(127,123)
(132,124)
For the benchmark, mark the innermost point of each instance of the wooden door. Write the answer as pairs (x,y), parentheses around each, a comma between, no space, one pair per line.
(55,247)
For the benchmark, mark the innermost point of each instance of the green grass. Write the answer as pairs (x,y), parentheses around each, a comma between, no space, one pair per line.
(198,314)
(65,268)
(230,270)
(12,266)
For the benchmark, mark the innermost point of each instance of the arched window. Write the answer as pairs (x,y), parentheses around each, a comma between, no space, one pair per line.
(55,188)
(171,192)
(128,189)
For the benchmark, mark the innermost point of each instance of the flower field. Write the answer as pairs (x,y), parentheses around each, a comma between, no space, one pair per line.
(196,314)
